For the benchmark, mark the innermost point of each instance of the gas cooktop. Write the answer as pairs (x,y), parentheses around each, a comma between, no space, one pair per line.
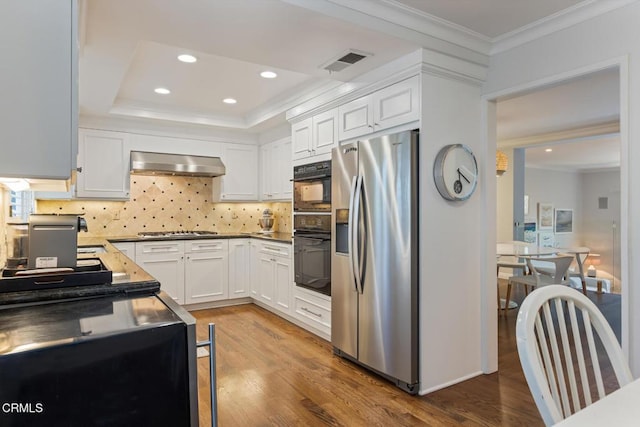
(176,233)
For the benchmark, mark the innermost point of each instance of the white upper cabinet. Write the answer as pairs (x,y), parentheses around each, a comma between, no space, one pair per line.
(38,87)
(392,106)
(315,136)
(103,165)
(240,181)
(277,170)
(301,138)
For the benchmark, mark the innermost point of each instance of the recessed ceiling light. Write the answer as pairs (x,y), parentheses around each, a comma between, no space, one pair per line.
(548,150)
(162,90)
(268,74)
(187,58)
(229,101)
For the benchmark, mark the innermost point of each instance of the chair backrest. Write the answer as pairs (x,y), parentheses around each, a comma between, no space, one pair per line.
(559,354)
(556,275)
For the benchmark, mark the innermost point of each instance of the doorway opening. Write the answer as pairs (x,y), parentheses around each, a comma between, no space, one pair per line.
(563,146)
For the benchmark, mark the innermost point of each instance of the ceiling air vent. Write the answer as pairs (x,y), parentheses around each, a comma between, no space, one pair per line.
(348,58)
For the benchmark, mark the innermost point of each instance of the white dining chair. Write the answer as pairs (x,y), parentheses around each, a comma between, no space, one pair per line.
(581,253)
(552,276)
(559,355)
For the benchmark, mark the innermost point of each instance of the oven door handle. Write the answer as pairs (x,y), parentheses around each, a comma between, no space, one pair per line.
(316,242)
(309,178)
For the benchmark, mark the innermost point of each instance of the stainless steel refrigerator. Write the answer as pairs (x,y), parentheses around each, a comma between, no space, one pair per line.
(374,267)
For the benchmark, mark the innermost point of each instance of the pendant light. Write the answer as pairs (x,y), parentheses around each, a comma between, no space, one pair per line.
(502,163)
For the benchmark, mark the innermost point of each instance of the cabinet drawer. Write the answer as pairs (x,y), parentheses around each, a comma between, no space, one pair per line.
(312,313)
(206,246)
(275,249)
(159,247)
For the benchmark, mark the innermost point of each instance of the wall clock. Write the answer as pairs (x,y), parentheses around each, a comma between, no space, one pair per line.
(455,172)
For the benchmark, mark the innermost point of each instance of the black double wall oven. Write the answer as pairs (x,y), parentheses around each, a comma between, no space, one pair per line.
(312,226)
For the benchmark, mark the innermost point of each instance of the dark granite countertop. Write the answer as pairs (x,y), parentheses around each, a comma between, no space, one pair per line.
(274,237)
(127,278)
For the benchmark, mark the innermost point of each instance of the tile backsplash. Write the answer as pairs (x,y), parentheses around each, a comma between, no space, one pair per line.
(160,203)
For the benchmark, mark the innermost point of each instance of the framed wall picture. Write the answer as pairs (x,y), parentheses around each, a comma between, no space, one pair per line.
(564,221)
(546,239)
(530,232)
(545,216)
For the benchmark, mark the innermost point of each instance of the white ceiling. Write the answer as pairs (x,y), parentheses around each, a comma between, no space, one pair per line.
(129,47)
(553,116)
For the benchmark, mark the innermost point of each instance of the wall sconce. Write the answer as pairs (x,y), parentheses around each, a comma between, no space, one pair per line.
(502,163)
(592,260)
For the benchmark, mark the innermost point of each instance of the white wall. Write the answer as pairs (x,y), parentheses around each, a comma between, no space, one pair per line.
(504,208)
(600,42)
(563,190)
(601,227)
(451,240)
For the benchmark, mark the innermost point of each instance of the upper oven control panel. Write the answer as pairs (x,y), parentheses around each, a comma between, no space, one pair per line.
(312,170)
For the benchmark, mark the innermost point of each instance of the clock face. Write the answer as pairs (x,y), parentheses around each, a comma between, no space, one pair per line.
(455,172)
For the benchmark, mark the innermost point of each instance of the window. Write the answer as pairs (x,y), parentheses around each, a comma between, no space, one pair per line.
(21,204)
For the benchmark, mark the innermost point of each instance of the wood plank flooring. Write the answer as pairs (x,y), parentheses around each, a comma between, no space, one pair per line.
(271,372)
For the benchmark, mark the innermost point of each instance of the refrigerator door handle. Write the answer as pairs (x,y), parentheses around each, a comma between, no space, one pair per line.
(355,258)
(350,232)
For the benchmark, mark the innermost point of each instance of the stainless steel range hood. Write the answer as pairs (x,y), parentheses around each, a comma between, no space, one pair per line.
(148,163)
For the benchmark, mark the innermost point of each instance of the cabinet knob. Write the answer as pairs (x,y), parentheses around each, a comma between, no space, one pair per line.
(79,169)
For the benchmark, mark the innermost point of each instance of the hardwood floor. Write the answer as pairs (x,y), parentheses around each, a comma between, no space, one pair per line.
(271,372)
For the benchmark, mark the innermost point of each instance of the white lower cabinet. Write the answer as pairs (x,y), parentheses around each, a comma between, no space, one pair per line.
(127,248)
(240,272)
(206,272)
(274,276)
(313,309)
(190,271)
(165,262)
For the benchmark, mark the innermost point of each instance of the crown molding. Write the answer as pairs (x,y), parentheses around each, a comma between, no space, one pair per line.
(561,20)
(398,20)
(581,133)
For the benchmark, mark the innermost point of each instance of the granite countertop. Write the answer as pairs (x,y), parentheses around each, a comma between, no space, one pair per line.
(127,278)
(277,237)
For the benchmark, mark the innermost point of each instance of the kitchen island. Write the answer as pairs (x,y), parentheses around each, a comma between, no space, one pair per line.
(127,279)
(118,354)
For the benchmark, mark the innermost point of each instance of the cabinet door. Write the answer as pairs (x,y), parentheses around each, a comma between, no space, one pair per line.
(301,139)
(266,276)
(239,268)
(206,276)
(255,271)
(103,165)
(397,104)
(325,132)
(240,181)
(355,118)
(283,283)
(165,262)
(286,184)
(127,248)
(38,87)
(269,171)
